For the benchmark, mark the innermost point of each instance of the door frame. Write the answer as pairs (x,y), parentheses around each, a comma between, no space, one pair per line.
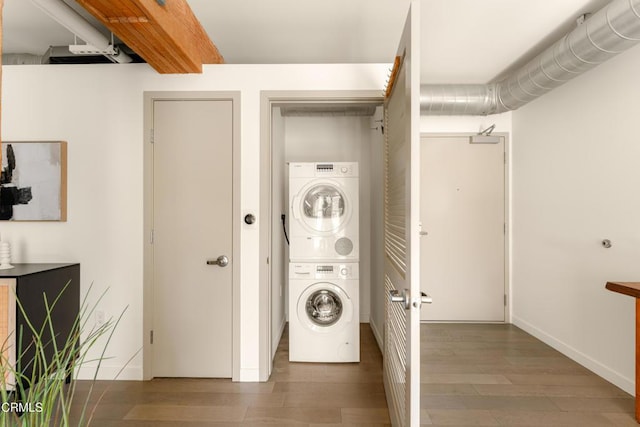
(507,209)
(267,100)
(147,274)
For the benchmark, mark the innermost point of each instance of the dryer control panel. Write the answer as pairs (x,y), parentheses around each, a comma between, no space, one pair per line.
(306,270)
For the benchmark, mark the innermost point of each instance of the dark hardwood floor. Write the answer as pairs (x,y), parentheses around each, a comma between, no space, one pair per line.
(472,374)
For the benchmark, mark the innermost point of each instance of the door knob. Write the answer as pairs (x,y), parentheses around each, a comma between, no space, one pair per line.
(403,297)
(221,261)
(396,296)
(425,299)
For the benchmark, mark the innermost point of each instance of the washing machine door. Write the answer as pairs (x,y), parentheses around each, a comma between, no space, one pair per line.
(323,207)
(325,307)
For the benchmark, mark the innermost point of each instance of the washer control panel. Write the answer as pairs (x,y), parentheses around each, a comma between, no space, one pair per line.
(329,169)
(304,270)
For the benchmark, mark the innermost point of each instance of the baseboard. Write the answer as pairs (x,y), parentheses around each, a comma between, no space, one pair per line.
(364,317)
(377,335)
(130,373)
(134,373)
(249,375)
(626,384)
(278,337)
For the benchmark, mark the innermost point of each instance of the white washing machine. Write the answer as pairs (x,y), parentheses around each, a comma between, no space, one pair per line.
(324,315)
(323,212)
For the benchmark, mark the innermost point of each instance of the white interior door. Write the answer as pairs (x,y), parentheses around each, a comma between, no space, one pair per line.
(463,229)
(401,218)
(192,224)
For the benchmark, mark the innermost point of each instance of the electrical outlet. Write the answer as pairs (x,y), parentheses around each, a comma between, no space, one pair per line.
(100,317)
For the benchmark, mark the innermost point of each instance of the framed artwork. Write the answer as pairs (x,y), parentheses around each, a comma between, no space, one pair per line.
(33,185)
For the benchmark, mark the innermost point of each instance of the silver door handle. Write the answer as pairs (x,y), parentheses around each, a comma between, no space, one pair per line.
(221,261)
(425,299)
(396,296)
(424,233)
(403,297)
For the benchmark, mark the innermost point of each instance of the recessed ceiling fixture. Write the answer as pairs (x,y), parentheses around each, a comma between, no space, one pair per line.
(66,16)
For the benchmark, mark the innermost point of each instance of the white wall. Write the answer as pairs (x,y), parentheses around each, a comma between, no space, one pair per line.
(464,124)
(343,139)
(98,109)
(575,182)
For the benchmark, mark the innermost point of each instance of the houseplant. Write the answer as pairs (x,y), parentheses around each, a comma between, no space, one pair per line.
(45,397)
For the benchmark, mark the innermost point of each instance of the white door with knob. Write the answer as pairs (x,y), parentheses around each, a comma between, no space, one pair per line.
(192,238)
(463,228)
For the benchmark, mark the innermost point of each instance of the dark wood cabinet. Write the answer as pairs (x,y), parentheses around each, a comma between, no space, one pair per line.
(32,285)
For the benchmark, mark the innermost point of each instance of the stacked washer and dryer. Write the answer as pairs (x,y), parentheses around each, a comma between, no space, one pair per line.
(324,319)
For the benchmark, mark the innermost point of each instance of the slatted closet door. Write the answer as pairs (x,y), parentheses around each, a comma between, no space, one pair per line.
(401,225)
(395,243)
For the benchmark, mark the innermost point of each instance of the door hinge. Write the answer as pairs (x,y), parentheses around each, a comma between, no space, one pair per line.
(152,136)
(504,228)
(505,300)
(505,157)
(267,260)
(151,337)
(151,236)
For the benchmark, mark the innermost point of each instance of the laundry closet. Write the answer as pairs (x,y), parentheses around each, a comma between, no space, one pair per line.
(349,136)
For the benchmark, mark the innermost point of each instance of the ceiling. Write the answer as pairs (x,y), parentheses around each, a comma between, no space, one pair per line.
(463,41)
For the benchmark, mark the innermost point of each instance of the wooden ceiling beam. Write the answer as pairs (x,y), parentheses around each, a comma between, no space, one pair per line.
(170,38)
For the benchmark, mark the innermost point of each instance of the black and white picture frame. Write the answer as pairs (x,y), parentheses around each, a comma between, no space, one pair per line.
(33,185)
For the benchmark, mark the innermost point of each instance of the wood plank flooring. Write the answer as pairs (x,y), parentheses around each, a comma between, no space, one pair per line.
(297,394)
(498,375)
(472,374)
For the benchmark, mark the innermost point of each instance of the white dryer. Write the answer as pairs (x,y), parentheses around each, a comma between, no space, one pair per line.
(324,319)
(323,212)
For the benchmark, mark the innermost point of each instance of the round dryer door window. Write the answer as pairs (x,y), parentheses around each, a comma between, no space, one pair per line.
(324,307)
(324,207)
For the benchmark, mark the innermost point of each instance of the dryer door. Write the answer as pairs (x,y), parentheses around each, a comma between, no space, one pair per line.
(324,207)
(324,307)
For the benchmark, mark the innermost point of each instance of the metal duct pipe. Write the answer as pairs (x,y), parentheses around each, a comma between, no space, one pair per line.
(610,31)
(458,100)
(66,16)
